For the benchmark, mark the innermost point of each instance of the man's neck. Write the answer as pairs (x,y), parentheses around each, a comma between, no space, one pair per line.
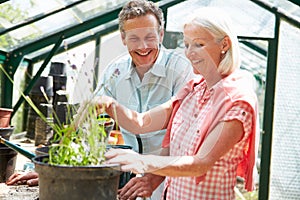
(141,71)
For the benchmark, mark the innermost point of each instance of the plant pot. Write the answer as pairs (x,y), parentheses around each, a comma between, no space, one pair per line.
(5,114)
(6,132)
(124,176)
(71,182)
(8,159)
(47,83)
(42,151)
(57,69)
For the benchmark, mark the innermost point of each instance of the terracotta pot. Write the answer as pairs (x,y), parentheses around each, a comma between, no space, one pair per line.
(5,114)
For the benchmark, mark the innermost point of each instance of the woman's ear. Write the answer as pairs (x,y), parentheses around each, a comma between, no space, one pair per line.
(226,43)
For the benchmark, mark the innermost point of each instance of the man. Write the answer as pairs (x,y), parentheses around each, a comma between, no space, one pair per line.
(150,75)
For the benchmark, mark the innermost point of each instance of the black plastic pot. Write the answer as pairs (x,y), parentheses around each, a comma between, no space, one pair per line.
(6,132)
(42,151)
(47,83)
(124,176)
(57,69)
(77,183)
(8,159)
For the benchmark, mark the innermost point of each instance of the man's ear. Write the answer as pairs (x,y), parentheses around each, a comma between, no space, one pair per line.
(161,36)
(123,38)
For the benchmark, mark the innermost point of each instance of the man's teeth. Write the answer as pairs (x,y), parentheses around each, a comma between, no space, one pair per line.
(143,54)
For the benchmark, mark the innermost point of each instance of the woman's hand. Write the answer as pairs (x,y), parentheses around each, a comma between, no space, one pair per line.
(30,178)
(130,160)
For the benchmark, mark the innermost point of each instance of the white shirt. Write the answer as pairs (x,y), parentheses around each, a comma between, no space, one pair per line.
(120,80)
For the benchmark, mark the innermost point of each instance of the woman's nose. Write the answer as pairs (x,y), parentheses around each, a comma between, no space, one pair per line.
(189,52)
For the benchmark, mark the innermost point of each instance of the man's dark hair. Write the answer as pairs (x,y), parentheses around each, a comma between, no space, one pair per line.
(136,8)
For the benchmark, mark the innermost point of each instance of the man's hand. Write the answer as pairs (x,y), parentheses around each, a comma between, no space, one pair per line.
(140,187)
(30,178)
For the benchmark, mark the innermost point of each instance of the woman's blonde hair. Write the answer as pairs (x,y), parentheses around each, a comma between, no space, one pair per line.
(219,25)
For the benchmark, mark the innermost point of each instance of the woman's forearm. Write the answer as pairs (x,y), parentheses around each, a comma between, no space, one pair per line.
(175,166)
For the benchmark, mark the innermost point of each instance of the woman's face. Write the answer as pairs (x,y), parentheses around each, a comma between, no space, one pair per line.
(142,38)
(202,49)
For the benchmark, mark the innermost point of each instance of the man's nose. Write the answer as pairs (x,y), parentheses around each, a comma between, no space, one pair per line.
(143,44)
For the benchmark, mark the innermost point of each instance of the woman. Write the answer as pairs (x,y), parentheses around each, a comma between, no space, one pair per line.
(211,123)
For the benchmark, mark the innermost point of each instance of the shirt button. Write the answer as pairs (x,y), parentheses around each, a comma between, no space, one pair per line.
(243,113)
(195,115)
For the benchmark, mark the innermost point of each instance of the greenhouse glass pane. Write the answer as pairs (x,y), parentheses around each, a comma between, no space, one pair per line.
(76,38)
(55,22)
(285,158)
(248,18)
(25,10)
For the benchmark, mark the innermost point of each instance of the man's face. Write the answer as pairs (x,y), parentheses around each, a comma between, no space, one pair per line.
(142,38)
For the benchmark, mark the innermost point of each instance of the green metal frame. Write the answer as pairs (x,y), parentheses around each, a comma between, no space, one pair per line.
(267,128)
(38,74)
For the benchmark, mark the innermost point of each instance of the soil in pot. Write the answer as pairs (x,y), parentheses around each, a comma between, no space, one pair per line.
(77,183)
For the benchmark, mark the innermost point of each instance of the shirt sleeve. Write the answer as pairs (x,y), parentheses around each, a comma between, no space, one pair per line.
(241,111)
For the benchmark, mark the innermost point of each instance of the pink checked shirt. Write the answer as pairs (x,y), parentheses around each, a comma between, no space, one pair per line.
(200,110)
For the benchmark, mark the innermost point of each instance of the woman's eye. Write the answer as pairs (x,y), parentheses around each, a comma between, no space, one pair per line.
(198,45)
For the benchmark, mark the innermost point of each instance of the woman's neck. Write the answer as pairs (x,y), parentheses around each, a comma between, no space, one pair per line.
(212,78)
